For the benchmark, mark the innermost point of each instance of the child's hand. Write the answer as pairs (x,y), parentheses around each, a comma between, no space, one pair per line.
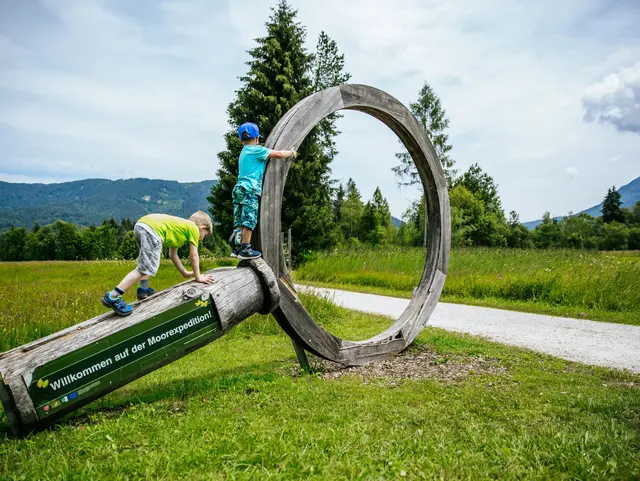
(294,154)
(187,274)
(206,279)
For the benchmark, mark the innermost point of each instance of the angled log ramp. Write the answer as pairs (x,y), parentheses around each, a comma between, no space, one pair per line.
(60,373)
(289,133)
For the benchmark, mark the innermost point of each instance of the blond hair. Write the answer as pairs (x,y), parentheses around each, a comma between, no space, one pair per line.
(200,219)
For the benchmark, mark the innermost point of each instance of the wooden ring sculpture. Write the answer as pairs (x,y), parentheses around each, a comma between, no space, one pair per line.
(289,133)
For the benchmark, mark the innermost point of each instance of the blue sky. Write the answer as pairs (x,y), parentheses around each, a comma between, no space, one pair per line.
(545,95)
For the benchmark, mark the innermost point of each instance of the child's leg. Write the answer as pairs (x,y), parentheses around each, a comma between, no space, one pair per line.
(246,235)
(144,290)
(236,235)
(148,259)
(129,280)
(249,221)
(237,196)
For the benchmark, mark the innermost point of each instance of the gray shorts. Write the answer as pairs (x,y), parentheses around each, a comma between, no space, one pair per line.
(149,249)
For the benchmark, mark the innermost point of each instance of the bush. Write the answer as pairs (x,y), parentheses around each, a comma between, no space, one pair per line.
(615,237)
(634,238)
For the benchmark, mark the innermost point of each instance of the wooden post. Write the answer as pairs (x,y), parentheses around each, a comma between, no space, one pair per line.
(60,373)
(426,221)
(289,249)
(298,347)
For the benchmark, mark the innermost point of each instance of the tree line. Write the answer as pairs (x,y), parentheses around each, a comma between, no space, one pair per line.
(478,220)
(65,241)
(476,215)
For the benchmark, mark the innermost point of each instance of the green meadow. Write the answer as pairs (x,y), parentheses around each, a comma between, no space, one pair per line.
(601,286)
(240,408)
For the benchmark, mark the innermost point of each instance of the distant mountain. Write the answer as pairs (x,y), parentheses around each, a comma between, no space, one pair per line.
(532,224)
(396,222)
(90,201)
(629,195)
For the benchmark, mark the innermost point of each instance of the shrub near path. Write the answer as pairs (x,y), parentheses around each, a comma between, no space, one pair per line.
(597,286)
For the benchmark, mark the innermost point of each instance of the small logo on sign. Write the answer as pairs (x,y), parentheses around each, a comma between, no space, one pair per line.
(55,404)
(202,303)
(64,399)
(46,408)
(42,384)
(73,395)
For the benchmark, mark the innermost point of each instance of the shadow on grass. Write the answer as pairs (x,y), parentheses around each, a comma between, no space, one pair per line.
(176,390)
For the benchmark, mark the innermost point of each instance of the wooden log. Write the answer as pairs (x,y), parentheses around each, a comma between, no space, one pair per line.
(289,133)
(60,373)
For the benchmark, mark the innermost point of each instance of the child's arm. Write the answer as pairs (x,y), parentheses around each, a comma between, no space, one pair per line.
(195,265)
(173,255)
(282,154)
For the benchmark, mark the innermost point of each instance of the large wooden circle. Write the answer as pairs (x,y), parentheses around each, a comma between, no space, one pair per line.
(289,133)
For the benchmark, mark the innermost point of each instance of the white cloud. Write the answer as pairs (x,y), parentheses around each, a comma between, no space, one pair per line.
(572,171)
(510,74)
(110,96)
(615,100)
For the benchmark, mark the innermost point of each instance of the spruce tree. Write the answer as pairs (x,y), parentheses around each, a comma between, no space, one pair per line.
(611,207)
(338,200)
(351,211)
(376,220)
(279,76)
(328,71)
(432,117)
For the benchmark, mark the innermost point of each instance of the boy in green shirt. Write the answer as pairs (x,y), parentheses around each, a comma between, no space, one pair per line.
(152,232)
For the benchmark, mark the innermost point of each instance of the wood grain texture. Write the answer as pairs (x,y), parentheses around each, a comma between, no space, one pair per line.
(236,293)
(289,133)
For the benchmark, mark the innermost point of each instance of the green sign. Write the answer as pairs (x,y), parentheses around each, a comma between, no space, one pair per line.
(121,356)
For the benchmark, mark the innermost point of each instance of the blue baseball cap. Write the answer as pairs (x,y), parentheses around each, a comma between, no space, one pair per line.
(248,131)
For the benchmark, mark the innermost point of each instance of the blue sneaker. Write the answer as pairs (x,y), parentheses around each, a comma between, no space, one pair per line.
(119,306)
(143,293)
(246,252)
(234,252)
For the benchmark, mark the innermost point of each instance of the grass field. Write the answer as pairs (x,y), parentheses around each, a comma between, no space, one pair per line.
(240,409)
(597,286)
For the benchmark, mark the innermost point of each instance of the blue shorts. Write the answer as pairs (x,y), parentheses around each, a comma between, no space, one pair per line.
(245,207)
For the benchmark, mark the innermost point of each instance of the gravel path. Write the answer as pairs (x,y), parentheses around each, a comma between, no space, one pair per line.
(589,342)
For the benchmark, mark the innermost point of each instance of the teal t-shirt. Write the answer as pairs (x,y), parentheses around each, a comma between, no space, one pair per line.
(251,166)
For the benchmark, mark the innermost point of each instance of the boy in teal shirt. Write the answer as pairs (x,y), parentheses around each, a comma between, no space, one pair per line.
(251,166)
(152,232)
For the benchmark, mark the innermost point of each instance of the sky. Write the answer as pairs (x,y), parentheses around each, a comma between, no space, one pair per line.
(544,96)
